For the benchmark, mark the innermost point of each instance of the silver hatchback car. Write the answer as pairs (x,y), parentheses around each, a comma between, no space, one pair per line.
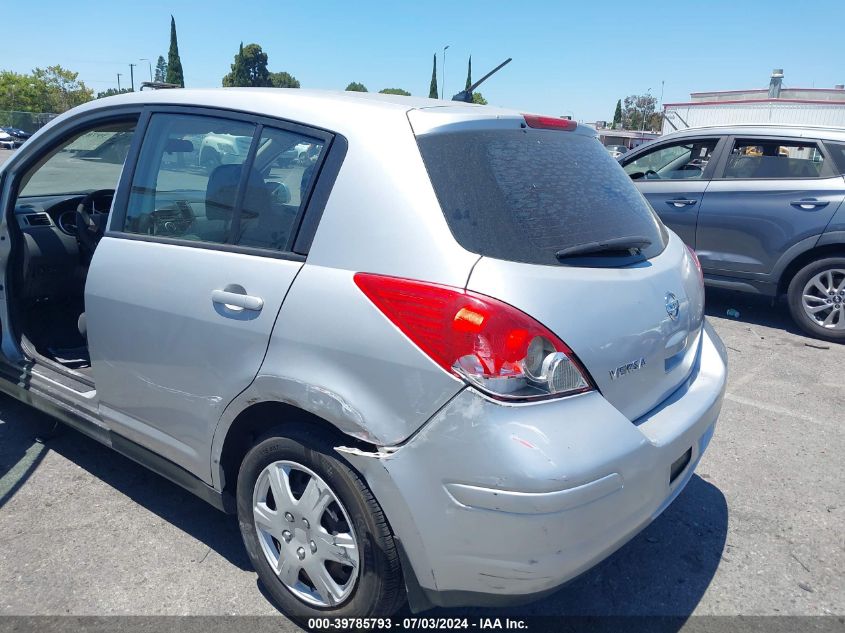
(447,328)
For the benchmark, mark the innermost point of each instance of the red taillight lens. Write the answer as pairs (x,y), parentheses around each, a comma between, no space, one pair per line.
(490,344)
(697,262)
(541,122)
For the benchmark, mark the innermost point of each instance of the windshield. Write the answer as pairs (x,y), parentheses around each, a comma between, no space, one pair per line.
(525,195)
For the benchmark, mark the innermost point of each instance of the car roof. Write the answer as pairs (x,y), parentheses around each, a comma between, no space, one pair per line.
(338,111)
(800,131)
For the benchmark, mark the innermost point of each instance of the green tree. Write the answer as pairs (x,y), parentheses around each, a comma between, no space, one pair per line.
(283,80)
(238,75)
(51,89)
(111,92)
(478,99)
(249,68)
(20,93)
(63,88)
(161,69)
(636,109)
(469,73)
(432,89)
(174,73)
(617,115)
(356,87)
(394,91)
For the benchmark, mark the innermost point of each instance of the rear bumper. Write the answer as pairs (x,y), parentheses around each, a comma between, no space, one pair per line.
(497,504)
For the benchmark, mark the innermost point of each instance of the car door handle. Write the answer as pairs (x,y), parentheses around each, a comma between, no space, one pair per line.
(237,300)
(809,203)
(681,202)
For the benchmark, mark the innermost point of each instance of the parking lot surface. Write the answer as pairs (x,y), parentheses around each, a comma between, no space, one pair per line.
(758,531)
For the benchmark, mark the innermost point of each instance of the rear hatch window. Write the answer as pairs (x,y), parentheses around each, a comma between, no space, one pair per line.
(528,195)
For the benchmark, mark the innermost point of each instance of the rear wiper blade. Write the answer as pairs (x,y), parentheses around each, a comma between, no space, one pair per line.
(630,245)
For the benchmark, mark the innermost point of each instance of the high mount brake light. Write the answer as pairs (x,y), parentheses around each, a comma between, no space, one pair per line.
(490,344)
(541,122)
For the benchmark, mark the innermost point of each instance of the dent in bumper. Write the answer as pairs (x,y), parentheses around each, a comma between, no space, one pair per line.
(516,500)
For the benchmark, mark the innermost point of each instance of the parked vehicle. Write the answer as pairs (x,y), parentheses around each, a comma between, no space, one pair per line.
(438,343)
(7,141)
(616,150)
(762,206)
(16,132)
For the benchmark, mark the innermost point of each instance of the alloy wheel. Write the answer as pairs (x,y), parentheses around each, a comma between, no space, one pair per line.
(823,299)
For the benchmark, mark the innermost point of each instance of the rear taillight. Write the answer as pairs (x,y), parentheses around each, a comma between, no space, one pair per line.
(490,344)
(694,256)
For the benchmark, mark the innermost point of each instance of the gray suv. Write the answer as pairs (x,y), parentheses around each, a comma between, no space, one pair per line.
(763,208)
(460,327)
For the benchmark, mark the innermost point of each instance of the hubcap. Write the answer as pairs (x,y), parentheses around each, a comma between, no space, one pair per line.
(824,299)
(305,533)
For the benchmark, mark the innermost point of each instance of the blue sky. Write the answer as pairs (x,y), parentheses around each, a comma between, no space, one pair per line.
(568,58)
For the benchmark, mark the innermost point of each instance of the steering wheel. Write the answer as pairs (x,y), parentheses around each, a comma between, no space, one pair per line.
(91,226)
(650,174)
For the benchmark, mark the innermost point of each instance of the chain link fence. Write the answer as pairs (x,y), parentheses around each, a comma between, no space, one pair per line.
(26,121)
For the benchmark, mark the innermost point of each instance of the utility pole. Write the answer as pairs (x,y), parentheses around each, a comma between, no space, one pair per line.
(118,81)
(443,83)
(150,64)
(132,75)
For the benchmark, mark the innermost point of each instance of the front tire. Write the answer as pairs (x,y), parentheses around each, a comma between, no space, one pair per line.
(816,298)
(313,530)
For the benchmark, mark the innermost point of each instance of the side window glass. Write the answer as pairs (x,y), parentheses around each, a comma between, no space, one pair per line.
(766,159)
(838,151)
(187,178)
(89,161)
(277,186)
(680,161)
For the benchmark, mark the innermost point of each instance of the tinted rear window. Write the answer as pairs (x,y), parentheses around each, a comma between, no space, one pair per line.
(838,151)
(523,195)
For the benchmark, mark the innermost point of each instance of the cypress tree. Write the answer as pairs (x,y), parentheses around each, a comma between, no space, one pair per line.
(174,64)
(161,69)
(469,73)
(617,116)
(432,90)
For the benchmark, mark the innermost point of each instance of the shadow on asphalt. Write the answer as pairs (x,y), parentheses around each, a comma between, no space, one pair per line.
(753,309)
(20,425)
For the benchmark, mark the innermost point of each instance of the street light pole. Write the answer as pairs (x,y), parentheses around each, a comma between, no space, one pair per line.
(132,75)
(443,83)
(118,81)
(150,64)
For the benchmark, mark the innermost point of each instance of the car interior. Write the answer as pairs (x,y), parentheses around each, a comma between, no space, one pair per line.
(675,162)
(774,159)
(65,200)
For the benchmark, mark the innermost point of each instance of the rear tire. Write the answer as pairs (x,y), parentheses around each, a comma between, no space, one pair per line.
(816,297)
(299,463)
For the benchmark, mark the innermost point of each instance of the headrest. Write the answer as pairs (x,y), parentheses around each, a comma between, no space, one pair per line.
(223,186)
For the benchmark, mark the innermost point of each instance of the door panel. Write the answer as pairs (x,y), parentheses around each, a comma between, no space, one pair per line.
(170,346)
(677,202)
(673,177)
(771,194)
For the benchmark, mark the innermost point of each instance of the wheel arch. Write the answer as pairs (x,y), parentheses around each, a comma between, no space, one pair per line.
(820,251)
(256,419)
